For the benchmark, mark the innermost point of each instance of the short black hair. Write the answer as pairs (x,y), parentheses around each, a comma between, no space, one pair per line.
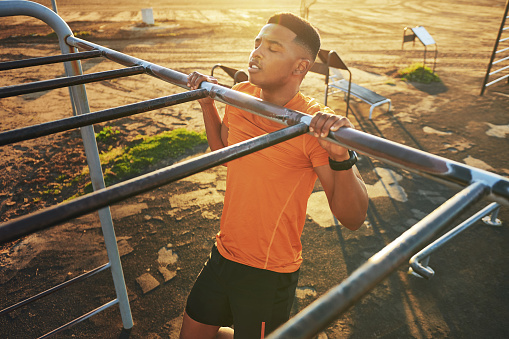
(307,35)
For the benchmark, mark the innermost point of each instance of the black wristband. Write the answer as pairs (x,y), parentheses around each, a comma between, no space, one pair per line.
(344,165)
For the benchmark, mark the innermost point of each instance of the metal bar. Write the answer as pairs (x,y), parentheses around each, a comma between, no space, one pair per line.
(7,65)
(80,319)
(104,197)
(502,50)
(55,288)
(54,6)
(426,272)
(337,300)
(80,106)
(61,125)
(44,85)
(437,168)
(499,70)
(500,60)
(497,80)
(163,73)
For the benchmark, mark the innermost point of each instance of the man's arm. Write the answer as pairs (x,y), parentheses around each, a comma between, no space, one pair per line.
(217,131)
(345,190)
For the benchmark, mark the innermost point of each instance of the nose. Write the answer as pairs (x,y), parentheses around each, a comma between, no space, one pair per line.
(257,52)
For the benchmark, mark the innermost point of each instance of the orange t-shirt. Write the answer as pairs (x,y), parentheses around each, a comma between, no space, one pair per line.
(267,191)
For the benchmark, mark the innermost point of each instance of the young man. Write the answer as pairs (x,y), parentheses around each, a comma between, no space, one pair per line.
(250,278)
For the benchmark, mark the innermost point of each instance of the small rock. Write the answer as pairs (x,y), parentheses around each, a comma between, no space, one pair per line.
(209,215)
(166,257)
(147,282)
(185,243)
(167,274)
(124,247)
(147,217)
(303,292)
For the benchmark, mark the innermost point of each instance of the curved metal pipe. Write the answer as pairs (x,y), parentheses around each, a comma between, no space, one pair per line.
(416,261)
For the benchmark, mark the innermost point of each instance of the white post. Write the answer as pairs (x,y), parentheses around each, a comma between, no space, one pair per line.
(147,16)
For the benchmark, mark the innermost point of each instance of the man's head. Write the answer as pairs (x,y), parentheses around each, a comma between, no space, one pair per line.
(307,35)
(284,51)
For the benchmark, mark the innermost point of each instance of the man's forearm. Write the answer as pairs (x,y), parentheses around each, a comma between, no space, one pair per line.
(212,126)
(349,201)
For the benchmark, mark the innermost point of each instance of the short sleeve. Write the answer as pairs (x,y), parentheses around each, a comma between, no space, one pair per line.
(316,153)
(228,107)
(225,118)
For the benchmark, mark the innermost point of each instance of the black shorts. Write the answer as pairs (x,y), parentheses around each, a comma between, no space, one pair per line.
(254,301)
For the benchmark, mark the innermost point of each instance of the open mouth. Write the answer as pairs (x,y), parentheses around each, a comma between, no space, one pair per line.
(254,67)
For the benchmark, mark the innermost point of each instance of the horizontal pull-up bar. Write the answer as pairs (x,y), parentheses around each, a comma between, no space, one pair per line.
(48,60)
(91,202)
(44,85)
(432,166)
(318,315)
(61,125)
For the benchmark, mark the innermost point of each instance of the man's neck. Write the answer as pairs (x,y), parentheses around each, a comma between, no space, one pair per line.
(279,97)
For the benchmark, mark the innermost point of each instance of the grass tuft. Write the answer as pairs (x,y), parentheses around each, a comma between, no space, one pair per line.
(129,161)
(419,73)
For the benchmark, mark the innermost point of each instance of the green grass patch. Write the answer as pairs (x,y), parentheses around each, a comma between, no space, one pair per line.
(82,33)
(107,134)
(125,162)
(419,73)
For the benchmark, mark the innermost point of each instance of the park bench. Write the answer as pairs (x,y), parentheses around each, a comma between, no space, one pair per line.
(330,62)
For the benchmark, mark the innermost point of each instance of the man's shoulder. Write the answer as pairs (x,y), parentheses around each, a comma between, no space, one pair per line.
(310,105)
(245,87)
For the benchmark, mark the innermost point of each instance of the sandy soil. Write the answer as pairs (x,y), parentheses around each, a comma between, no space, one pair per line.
(173,226)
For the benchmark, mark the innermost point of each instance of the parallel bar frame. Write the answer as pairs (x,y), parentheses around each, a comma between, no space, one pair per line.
(478,183)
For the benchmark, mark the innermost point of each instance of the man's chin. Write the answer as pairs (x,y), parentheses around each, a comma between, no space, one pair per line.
(252,80)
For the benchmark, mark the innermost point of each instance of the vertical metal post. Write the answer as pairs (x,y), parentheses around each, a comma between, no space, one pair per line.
(54,5)
(492,219)
(80,102)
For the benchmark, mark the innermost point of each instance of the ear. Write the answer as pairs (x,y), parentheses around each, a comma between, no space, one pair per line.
(302,67)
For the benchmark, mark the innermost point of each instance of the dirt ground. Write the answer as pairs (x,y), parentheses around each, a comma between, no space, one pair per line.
(173,226)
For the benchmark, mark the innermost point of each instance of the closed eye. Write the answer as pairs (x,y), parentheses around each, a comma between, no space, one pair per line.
(274,46)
